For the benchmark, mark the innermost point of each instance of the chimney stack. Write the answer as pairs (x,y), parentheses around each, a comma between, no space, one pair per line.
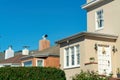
(9,53)
(25,51)
(44,43)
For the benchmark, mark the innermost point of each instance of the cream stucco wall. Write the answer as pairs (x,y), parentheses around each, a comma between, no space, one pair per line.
(111,17)
(87,50)
(90,51)
(72,71)
(111,25)
(111,9)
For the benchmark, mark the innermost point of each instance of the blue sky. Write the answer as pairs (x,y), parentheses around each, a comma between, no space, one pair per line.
(23,22)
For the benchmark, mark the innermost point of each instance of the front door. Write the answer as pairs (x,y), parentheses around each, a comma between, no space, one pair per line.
(104,60)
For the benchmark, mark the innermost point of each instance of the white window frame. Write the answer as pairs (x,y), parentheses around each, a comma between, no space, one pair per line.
(77,54)
(96,20)
(42,63)
(27,61)
(70,57)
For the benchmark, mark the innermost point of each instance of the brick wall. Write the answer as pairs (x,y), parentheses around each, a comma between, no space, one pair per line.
(52,62)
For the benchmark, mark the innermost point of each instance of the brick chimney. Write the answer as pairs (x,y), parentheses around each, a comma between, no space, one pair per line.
(44,43)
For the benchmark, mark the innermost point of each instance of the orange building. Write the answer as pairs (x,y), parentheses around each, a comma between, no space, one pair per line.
(45,56)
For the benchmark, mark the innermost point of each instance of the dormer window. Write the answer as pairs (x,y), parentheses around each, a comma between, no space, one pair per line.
(99,20)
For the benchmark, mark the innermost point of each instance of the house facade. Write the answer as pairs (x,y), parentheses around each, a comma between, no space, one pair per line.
(101,41)
(45,56)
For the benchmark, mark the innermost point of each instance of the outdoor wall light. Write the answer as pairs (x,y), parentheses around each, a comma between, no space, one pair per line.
(114,49)
(95,47)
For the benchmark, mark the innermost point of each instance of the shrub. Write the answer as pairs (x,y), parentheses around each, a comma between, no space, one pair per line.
(31,73)
(89,75)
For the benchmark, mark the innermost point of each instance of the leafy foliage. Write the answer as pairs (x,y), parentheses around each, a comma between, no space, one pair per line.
(89,75)
(31,73)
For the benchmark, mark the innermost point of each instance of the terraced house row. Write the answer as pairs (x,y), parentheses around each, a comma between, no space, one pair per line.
(97,49)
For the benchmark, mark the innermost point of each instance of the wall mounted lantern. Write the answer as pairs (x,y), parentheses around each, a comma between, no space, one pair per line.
(95,47)
(114,49)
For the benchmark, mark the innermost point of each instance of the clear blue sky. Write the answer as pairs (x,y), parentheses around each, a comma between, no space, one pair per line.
(23,22)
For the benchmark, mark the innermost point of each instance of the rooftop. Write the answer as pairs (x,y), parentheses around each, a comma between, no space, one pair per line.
(100,35)
(52,51)
(15,59)
(92,3)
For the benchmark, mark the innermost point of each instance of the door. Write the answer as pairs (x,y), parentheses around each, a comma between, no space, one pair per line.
(104,60)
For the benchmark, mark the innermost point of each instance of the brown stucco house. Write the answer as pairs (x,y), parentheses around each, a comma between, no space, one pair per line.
(101,41)
(45,56)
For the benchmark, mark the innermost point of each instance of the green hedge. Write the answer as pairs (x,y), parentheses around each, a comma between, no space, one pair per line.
(31,73)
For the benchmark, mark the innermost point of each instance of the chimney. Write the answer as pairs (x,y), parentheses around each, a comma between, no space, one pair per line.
(9,53)
(25,51)
(44,43)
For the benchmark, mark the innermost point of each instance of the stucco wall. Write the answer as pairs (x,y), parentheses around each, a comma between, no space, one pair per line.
(72,71)
(87,50)
(111,17)
(90,51)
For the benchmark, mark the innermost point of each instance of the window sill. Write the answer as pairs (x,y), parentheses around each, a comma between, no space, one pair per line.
(89,63)
(98,29)
(72,67)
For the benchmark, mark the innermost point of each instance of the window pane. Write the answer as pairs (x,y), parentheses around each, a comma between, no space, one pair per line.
(40,63)
(100,20)
(67,57)
(28,63)
(72,56)
(78,54)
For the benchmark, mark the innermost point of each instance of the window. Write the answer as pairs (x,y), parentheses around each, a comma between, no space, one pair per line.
(99,19)
(40,63)
(72,57)
(27,63)
(67,56)
(78,54)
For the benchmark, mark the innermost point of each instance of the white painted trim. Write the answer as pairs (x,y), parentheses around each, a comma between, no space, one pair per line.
(70,59)
(42,63)
(26,61)
(91,3)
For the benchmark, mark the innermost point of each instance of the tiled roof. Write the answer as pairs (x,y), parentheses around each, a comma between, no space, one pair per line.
(52,51)
(2,56)
(15,59)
